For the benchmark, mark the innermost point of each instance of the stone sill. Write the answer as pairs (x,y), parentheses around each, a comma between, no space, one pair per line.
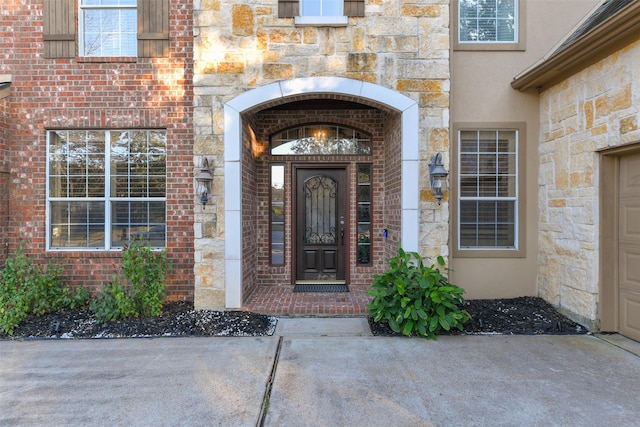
(321,21)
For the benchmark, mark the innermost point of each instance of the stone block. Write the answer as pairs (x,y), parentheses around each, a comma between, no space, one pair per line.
(277,71)
(209,299)
(579,302)
(362,62)
(242,20)
(419,85)
(628,124)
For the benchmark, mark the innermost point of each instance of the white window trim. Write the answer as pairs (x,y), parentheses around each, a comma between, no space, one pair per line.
(107,199)
(81,8)
(321,20)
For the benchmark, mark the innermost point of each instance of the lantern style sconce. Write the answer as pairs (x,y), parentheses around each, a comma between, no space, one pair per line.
(438,177)
(204,179)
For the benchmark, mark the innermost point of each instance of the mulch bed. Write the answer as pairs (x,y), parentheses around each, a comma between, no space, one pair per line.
(515,316)
(524,315)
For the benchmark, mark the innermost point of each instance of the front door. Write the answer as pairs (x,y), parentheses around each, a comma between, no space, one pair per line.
(321,224)
(629,247)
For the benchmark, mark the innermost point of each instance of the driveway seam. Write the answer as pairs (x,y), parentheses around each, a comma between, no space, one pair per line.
(264,407)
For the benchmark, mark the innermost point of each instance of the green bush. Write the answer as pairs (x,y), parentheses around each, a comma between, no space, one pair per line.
(416,299)
(26,288)
(144,272)
(113,303)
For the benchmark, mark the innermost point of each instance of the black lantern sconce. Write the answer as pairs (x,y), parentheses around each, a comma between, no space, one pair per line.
(204,179)
(438,177)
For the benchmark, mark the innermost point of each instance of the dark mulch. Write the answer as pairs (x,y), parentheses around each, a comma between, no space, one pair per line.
(515,316)
(178,319)
(525,315)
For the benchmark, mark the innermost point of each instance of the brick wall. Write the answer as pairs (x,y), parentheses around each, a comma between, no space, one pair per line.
(4,178)
(591,111)
(268,122)
(80,93)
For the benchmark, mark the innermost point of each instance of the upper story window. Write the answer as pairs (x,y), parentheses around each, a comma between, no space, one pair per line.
(105,187)
(488,24)
(320,140)
(320,12)
(108,28)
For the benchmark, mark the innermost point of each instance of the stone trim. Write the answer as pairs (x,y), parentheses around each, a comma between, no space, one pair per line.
(286,91)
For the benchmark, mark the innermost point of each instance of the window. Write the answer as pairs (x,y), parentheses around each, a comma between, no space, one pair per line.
(320,12)
(489,167)
(120,28)
(320,139)
(108,28)
(363,209)
(321,7)
(105,188)
(277,214)
(488,24)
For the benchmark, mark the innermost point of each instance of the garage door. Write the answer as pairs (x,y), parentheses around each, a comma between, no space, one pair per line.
(629,247)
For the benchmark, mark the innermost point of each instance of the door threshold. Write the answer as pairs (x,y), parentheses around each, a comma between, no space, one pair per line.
(321,282)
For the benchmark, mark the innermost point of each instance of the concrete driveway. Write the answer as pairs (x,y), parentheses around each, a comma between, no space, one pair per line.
(322,372)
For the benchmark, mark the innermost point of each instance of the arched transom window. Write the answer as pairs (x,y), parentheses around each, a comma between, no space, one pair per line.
(320,139)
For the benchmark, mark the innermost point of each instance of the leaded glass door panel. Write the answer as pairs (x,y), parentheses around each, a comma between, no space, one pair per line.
(321,225)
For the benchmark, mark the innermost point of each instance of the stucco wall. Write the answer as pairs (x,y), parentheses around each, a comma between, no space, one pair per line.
(593,110)
(481,93)
(240,45)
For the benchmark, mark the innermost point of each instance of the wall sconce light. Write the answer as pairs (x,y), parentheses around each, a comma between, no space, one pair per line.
(204,179)
(437,177)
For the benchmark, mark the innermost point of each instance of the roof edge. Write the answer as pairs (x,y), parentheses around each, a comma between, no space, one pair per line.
(616,32)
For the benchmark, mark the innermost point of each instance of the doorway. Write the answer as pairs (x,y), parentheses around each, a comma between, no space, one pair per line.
(321,230)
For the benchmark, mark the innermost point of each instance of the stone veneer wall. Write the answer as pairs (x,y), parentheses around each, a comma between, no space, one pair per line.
(595,109)
(241,45)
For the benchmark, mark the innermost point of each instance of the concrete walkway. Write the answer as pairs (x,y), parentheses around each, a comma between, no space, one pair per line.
(322,372)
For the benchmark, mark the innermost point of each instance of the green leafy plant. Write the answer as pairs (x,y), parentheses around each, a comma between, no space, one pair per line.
(27,288)
(143,274)
(416,299)
(113,303)
(145,270)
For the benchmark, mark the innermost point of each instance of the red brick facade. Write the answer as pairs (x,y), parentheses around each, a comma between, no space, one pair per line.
(385,162)
(94,93)
(4,179)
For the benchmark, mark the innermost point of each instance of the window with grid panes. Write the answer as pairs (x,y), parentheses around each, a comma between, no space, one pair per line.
(108,28)
(363,212)
(106,188)
(487,21)
(488,189)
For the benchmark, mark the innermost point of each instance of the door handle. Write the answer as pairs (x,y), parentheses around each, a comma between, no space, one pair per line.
(342,236)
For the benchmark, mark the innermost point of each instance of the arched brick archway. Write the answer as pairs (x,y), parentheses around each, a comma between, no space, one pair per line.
(286,91)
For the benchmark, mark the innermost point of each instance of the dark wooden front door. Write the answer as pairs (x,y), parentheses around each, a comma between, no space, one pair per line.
(321,223)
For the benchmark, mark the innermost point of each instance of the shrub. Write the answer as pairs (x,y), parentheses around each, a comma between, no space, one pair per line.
(144,272)
(26,288)
(113,303)
(416,299)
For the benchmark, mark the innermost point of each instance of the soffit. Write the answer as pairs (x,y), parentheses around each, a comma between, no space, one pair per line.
(614,25)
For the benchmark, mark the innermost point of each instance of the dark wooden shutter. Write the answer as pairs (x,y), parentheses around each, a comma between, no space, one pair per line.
(354,7)
(153,28)
(58,28)
(288,8)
